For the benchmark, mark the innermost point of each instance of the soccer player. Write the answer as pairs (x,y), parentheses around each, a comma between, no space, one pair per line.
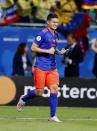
(45,66)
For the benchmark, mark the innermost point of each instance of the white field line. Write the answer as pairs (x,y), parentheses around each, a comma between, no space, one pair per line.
(69,119)
(41,118)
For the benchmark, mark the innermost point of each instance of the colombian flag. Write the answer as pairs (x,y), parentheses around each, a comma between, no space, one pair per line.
(8,12)
(89,4)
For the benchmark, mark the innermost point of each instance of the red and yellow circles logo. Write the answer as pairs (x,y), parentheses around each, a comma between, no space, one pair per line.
(7,90)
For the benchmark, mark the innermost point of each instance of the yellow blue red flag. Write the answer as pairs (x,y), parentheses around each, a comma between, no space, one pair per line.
(89,4)
(8,12)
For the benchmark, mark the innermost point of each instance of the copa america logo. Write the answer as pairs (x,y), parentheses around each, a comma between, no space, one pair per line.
(2,12)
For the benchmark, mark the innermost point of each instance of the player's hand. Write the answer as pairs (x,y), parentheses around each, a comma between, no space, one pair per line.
(63,51)
(51,51)
(67,60)
(93,41)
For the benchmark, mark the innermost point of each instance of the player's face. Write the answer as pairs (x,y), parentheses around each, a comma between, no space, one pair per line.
(53,23)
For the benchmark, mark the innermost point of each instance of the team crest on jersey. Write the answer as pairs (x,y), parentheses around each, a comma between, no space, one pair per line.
(38,38)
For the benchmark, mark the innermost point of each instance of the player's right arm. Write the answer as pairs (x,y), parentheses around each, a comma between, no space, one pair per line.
(36,46)
(36,49)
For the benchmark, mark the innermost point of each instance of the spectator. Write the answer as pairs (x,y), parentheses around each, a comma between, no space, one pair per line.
(27,9)
(43,10)
(21,63)
(65,10)
(94,48)
(72,58)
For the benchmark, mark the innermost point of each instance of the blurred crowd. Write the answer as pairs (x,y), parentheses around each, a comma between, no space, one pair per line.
(37,10)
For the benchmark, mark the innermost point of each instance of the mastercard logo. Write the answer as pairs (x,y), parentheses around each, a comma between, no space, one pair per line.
(7,90)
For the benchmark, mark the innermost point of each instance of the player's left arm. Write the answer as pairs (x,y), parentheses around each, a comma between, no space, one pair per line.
(61,52)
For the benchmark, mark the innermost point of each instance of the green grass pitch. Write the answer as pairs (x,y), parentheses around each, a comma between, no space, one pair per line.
(35,119)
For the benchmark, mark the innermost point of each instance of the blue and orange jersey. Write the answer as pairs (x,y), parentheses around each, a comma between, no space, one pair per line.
(45,40)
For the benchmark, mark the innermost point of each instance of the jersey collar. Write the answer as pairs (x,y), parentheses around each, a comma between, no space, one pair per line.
(51,31)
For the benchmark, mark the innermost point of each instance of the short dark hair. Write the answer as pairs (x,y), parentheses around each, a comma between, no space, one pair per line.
(71,35)
(51,16)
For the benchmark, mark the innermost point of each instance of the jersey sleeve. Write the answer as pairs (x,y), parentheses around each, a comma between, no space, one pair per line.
(39,38)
